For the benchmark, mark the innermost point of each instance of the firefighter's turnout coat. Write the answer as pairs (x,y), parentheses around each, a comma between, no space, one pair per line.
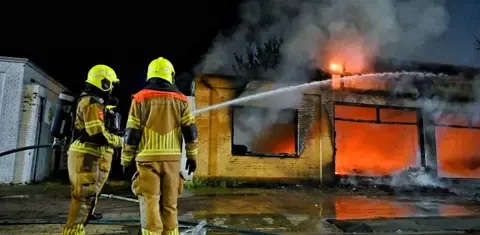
(85,154)
(159,119)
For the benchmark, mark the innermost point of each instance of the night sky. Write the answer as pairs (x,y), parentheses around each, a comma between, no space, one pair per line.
(66,41)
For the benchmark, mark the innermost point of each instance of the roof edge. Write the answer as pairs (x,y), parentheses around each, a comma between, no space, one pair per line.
(42,72)
(14,59)
(34,67)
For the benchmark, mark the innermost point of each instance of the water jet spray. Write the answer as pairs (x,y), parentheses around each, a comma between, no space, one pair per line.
(309,85)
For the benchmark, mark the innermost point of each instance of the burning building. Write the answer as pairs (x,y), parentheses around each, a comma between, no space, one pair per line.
(374,126)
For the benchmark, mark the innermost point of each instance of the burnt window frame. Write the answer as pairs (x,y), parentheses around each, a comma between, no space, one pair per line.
(377,110)
(418,123)
(469,126)
(262,155)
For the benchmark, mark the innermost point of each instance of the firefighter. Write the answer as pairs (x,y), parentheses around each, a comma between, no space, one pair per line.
(105,161)
(181,182)
(91,138)
(159,119)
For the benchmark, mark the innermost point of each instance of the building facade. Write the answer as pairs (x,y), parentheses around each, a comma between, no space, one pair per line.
(375,126)
(27,102)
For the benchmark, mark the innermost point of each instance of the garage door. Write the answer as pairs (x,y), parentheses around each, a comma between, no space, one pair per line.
(375,141)
(458,148)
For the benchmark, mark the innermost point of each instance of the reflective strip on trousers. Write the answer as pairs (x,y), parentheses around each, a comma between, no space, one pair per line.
(77,229)
(143,212)
(169,232)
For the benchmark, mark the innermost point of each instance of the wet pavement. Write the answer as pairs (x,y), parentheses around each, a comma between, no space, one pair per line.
(286,211)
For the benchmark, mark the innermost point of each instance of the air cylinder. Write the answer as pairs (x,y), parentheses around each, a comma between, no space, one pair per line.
(63,117)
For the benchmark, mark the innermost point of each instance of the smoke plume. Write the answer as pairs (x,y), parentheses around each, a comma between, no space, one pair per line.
(318,33)
(350,31)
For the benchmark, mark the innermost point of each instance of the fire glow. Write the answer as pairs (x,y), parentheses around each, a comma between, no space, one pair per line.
(336,68)
(351,55)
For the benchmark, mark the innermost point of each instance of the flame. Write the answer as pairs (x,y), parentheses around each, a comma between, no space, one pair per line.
(276,139)
(457,151)
(352,51)
(457,148)
(374,149)
(336,68)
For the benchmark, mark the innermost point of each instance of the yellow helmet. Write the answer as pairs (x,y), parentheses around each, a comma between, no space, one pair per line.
(102,77)
(161,68)
(110,107)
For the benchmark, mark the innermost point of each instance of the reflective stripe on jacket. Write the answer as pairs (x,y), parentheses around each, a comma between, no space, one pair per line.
(157,123)
(89,120)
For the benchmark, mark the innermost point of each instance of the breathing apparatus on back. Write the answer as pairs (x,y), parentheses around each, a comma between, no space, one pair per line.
(98,84)
(113,119)
(62,124)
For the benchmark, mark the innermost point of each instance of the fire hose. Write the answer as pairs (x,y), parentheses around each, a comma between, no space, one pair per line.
(133,221)
(52,145)
(185,223)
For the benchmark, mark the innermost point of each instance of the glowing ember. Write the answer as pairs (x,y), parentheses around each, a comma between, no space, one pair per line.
(336,68)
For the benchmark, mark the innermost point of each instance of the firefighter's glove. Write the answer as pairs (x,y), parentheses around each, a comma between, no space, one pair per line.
(129,170)
(191,166)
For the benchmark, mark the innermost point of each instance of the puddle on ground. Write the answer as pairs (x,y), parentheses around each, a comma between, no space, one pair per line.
(303,211)
(272,210)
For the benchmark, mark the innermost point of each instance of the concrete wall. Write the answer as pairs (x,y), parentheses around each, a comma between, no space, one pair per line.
(45,159)
(11,75)
(25,161)
(27,98)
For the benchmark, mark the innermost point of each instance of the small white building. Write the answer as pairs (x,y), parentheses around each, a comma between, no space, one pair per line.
(27,103)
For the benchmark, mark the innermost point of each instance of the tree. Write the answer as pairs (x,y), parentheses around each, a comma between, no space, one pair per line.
(257,58)
(478,42)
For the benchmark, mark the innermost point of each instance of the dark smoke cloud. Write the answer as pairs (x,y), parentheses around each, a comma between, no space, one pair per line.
(313,30)
(319,32)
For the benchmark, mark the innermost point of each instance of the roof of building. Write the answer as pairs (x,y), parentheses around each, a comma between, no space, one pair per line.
(390,65)
(380,65)
(33,66)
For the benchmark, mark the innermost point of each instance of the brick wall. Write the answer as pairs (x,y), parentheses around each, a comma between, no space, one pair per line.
(215,157)
(306,116)
(10,106)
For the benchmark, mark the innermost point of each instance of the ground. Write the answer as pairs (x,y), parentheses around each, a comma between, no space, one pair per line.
(41,209)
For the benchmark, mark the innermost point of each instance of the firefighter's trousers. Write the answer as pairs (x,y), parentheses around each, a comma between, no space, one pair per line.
(157,184)
(181,182)
(105,164)
(84,173)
